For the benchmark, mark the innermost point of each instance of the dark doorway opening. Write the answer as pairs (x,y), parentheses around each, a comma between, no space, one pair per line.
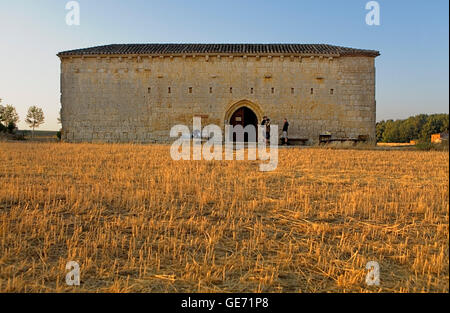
(244,117)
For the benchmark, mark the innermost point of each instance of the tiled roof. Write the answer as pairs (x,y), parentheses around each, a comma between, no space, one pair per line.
(247,49)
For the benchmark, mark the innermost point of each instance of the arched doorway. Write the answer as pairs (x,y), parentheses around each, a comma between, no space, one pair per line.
(244,116)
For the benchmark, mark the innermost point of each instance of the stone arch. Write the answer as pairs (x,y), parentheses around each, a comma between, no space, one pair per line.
(243,103)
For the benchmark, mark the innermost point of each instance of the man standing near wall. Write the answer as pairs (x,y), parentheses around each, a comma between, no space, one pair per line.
(284,135)
(264,120)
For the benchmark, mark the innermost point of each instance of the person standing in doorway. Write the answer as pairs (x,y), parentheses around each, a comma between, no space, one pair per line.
(263,124)
(264,120)
(284,135)
(267,130)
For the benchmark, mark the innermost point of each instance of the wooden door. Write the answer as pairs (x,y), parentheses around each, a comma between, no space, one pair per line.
(238,118)
(244,117)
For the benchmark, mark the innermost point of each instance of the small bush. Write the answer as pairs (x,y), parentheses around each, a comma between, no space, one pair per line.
(19,136)
(11,128)
(429,146)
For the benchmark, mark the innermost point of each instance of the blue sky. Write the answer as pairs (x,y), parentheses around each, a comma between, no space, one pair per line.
(412,71)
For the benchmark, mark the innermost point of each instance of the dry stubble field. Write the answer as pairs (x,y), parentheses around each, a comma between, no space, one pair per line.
(137,221)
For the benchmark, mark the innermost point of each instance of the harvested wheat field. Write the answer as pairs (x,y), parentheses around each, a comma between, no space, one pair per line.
(136,221)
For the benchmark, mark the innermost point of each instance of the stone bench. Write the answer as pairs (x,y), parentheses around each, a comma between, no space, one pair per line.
(296,141)
(328,139)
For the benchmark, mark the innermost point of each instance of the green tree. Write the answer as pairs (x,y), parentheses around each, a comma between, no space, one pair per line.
(435,124)
(419,121)
(380,128)
(445,124)
(9,117)
(391,132)
(35,118)
(444,121)
(2,109)
(407,130)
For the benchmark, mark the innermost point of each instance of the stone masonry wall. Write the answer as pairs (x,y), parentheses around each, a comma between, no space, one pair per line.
(127,98)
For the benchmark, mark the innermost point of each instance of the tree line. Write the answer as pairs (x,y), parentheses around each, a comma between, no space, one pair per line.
(419,127)
(9,118)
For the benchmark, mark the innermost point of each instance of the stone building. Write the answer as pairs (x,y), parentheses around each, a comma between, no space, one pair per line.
(138,92)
